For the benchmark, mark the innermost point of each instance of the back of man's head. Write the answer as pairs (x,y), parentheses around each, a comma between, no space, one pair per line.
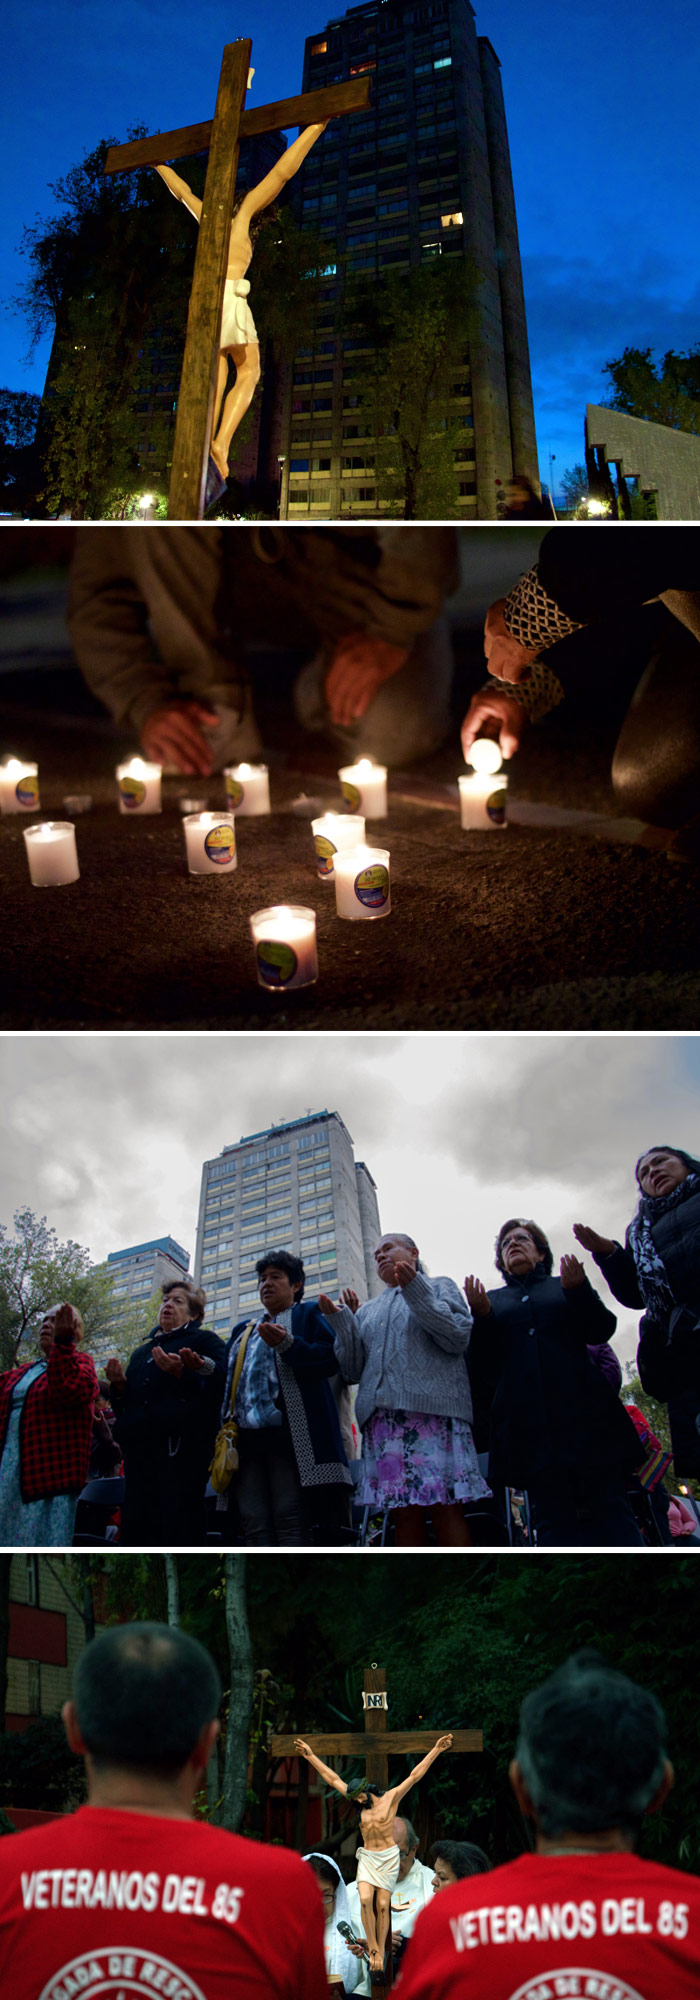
(143,1694)
(591,1749)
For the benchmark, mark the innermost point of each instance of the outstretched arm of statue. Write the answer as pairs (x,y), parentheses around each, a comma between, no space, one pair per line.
(181,191)
(331,1777)
(419,1770)
(283,171)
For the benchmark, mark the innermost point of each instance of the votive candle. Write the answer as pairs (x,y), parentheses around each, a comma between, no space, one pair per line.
(19,786)
(210,839)
(247,789)
(364,786)
(332,833)
(483,800)
(285,946)
(362,884)
(139,786)
(52,853)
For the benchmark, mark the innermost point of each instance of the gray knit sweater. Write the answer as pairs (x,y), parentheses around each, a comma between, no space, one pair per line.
(407,1350)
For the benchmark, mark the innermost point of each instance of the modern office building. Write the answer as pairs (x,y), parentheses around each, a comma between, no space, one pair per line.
(139,1271)
(424,174)
(294,1187)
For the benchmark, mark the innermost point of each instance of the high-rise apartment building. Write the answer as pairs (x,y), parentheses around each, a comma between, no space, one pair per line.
(294,1187)
(424,174)
(139,1271)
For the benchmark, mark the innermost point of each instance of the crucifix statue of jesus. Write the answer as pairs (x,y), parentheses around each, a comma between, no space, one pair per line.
(219,321)
(378,1860)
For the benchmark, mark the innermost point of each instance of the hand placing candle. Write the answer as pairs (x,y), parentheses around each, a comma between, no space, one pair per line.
(139,786)
(364,787)
(19,786)
(285,946)
(362,884)
(52,853)
(210,839)
(247,789)
(332,833)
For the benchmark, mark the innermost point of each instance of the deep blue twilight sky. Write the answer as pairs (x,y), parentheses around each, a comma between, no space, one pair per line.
(603,103)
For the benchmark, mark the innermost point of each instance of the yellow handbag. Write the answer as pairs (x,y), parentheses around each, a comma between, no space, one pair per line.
(225,1459)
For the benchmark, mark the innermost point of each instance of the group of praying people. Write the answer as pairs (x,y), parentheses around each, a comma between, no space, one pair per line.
(461,1396)
(345,1943)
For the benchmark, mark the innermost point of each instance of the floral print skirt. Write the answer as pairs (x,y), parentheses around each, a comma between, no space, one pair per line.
(411,1460)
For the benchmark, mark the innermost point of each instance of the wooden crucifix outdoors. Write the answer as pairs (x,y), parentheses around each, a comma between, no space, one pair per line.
(375,1743)
(220,137)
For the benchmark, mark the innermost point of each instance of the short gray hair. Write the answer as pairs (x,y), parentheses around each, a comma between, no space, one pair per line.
(411,1835)
(591,1748)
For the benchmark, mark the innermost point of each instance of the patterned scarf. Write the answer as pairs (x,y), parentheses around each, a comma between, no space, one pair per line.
(651,1270)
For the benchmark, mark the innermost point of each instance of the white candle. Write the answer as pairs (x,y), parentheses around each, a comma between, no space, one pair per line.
(139,786)
(247,789)
(19,786)
(363,884)
(285,946)
(485,754)
(482,801)
(210,839)
(52,853)
(364,787)
(332,833)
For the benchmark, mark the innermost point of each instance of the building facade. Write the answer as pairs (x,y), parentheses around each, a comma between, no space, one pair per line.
(47,1635)
(140,1271)
(424,174)
(294,1187)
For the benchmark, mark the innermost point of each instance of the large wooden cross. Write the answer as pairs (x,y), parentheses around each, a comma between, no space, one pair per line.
(376,1744)
(220,136)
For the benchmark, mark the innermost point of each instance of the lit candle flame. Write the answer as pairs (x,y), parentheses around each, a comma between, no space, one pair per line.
(485,755)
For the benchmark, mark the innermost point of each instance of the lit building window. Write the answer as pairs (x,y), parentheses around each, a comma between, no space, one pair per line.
(452,221)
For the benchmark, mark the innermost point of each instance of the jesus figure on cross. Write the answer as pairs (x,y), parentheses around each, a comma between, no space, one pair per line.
(378,1860)
(239,338)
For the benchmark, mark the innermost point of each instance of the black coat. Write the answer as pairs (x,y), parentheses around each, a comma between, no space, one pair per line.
(668,1356)
(166,1426)
(550,1407)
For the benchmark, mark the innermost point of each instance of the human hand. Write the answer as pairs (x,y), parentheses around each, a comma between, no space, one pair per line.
(358,1950)
(477,1298)
(115,1373)
(169,1364)
(601,1246)
(571,1272)
(507,659)
(489,707)
(65,1323)
(444,1743)
(359,667)
(172,735)
(191,1359)
(302,1749)
(271,1334)
(404,1271)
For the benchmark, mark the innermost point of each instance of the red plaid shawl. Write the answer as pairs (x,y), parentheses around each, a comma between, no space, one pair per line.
(56,1423)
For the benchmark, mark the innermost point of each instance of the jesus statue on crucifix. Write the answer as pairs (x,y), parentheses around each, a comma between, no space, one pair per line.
(378,1859)
(239,338)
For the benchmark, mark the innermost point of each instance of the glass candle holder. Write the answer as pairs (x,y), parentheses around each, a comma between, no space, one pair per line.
(364,786)
(19,786)
(52,853)
(285,946)
(363,884)
(483,800)
(139,786)
(210,841)
(332,834)
(247,789)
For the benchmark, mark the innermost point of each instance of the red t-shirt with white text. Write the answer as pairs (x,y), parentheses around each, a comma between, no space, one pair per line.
(111,1905)
(558,1927)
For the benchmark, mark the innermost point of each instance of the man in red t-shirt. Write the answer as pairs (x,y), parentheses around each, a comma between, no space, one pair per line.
(583,1918)
(130,1898)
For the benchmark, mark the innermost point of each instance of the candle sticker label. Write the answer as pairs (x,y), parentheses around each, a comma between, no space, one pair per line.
(372,886)
(220,844)
(351,793)
(234,791)
(277,963)
(27,791)
(496,807)
(325,852)
(132,791)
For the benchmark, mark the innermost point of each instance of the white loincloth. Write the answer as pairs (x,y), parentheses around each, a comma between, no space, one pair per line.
(237,323)
(378,1865)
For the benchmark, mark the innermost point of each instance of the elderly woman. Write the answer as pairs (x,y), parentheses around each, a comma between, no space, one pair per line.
(293,1476)
(407,1350)
(167,1408)
(659,1268)
(557,1426)
(342,1966)
(46,1411)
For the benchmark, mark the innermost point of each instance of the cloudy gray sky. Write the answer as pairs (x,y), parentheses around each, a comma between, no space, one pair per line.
(106,1135)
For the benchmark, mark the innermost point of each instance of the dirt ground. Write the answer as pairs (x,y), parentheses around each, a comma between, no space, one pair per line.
(583,924)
